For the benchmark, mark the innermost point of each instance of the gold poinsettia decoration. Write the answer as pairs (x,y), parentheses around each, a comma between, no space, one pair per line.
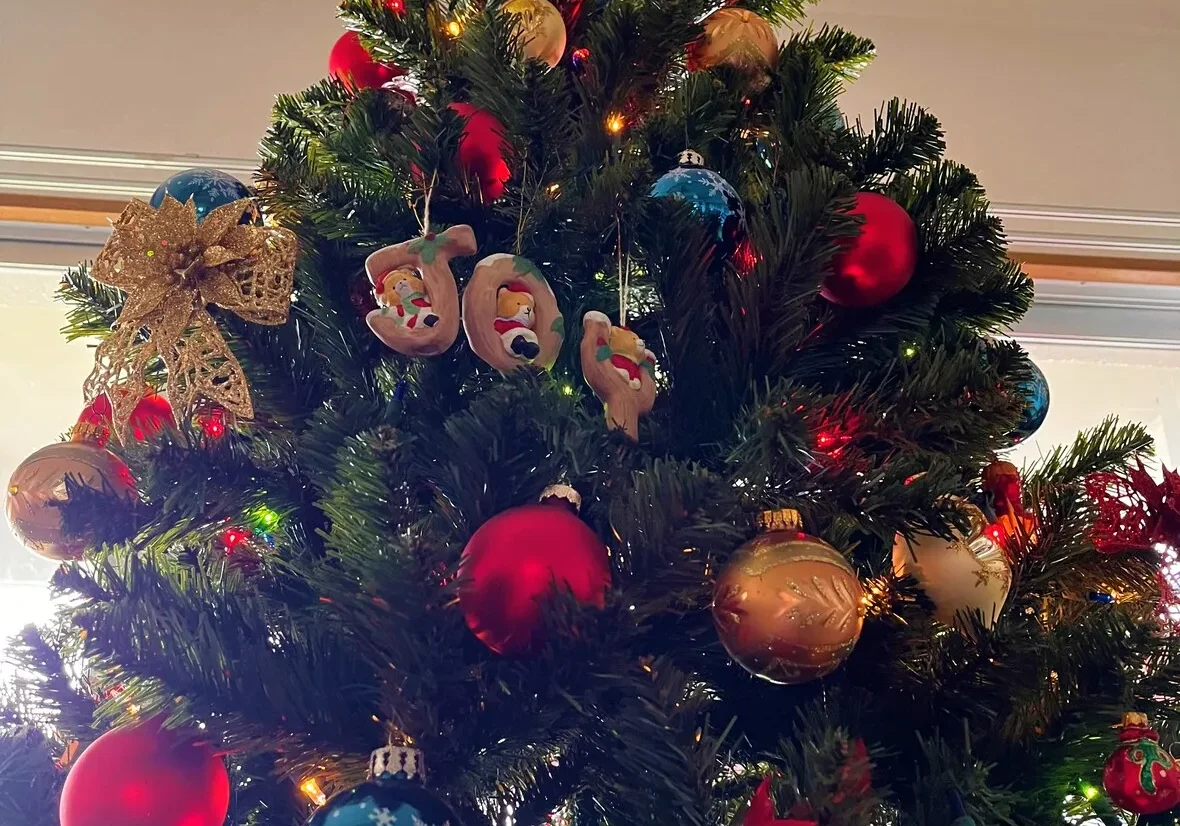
(171,267)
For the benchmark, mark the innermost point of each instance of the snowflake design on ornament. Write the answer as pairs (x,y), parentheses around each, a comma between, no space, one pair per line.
(384,817)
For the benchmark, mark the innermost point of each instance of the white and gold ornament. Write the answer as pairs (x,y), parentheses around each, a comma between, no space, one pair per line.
(542,31)
(965,576)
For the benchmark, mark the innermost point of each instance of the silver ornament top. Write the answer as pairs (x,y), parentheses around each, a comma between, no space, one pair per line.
(690,157)
(563,492)
(402,761)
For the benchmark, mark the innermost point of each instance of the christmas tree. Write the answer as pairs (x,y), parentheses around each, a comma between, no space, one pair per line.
(582,402)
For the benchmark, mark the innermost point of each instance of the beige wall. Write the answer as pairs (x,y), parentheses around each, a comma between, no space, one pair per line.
(1056,103)
(1052,102)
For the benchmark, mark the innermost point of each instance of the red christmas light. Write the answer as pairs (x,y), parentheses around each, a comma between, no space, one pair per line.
(233,538)
(212,423)
(396,6)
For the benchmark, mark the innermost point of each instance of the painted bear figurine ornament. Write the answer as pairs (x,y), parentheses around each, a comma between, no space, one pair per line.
(618,367)
(418,302)
(510,314)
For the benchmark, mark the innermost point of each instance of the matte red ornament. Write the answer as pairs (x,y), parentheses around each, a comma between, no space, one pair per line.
(150,417)
(353,66)
(876,264)
(761,811)
(483,150)
(513,563)
(1141,776)
(145,775)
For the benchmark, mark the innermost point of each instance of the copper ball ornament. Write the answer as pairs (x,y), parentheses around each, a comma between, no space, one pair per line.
(737,38)
(542,31)
(37,490)
(788,607)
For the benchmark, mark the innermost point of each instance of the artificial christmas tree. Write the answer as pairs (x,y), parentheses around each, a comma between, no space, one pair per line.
(290,579)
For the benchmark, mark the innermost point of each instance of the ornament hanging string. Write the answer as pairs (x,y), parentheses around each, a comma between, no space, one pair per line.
(624,269)
(427,193)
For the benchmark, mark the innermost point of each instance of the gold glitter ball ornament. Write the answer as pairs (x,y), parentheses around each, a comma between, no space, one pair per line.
(737,38)
(542,31)
(961,576)
(38,488)
(788,607)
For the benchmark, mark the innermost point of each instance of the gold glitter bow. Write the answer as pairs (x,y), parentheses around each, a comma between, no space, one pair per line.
(170,268)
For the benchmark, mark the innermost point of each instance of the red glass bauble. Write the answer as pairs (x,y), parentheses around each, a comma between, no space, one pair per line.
(150,417)
(1141,776)
(353,66)
(145,775)
(515,560)
(483,150)
(875,265)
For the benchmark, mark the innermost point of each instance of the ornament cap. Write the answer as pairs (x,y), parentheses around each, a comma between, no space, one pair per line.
(690,157)
(783,519)
(402,762)
(563,492)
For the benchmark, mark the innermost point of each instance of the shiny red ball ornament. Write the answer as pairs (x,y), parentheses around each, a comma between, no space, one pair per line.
(352,65)
(875,265)
(513,563)
(146,775)
(1141,776)
(483,150)
(150,417)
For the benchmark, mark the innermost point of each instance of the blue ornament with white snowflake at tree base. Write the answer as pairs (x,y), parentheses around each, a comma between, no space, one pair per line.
(208,189)
(707,193)
(392,796)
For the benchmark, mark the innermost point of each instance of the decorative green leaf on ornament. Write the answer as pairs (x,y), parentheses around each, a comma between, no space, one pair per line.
(602,353)
(648,365)
(1145,754)
(427,247)
(558,326)
(523,266)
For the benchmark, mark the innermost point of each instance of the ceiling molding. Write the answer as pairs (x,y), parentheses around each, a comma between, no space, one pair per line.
(1087,233)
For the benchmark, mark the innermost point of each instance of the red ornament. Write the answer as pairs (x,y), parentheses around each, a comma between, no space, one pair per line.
(150,417)
(145,775)
(1001,482)
(353,66)
(1141,776)
(1135,513)
(875,265)
(483,150)
(512,563)
(761,810)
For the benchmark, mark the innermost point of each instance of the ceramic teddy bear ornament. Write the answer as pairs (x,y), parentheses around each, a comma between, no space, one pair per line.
(619,369)
(510,314)
(418,312)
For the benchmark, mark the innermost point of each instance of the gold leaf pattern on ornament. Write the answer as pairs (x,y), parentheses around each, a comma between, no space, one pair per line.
(827,602)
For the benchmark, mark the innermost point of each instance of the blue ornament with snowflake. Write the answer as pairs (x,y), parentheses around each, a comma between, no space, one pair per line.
(208,189)
(707,193)
(393,796)
(1035,393)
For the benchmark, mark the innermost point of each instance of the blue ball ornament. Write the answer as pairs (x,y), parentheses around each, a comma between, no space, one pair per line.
(208,189)
(708,193)
(393,796)
(1035,393)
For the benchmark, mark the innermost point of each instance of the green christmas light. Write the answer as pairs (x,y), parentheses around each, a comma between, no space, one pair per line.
(265,518)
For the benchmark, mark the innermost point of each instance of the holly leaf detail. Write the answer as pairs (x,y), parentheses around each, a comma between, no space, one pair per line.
(602,353)
(558,326)
(426,248)
(523,266)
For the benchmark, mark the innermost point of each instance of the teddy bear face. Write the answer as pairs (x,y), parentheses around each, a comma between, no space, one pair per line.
(399,284)
(515,305)
(624,342)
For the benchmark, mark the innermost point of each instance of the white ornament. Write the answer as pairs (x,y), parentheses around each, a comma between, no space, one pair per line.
(962,576)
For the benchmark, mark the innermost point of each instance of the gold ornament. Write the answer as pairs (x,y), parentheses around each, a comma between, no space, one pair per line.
(37,489)
(788,607)
(542,31)
(737,38)
(171,268)
(961,576)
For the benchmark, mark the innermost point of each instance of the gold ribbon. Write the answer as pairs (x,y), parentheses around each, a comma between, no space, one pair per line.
(170,268)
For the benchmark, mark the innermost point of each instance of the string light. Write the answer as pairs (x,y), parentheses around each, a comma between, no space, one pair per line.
(454,28)
(553,188)
(910,351)
(1089,791)
(311,788)
(395,6)
(266,518)
(233,538)
(212,423)
(615,123)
